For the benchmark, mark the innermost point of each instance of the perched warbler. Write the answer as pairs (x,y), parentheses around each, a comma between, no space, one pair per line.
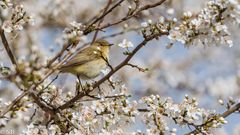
(88,63)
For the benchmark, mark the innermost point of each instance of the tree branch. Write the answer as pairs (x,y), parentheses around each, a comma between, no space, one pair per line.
(14,102)
(231,110)
(132,15)
(224,115)
(8,50)
(103,15)
(101,20)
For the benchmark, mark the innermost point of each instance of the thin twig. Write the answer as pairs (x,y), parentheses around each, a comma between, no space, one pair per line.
(64,48)
(103,15)
(224,115)
(94,98)
(132,15)
(139,68)
(8,50)
(69,121)
(101,20)
(55,78)
(111,83)
(59,54)
(14,102)
(121,32)
(34,113)
(231,110)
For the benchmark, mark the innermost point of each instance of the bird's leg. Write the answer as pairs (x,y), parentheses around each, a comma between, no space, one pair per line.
(100,91)
(79,81)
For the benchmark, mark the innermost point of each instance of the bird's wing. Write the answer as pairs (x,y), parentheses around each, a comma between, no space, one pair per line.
(83,57)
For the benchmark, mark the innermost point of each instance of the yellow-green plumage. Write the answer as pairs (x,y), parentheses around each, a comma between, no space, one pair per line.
(88,63)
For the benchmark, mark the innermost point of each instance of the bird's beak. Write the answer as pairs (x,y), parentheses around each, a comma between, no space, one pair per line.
(111,44)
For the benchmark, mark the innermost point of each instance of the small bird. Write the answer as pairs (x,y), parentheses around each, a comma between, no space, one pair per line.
(88,63)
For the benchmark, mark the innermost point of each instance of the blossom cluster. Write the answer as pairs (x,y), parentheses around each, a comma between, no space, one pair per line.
(50,94)
(18,19)
(186,113)
(16,113)
(125,44)
(160,27)
(209,26)
(74,33)
(104,112)
(110,114)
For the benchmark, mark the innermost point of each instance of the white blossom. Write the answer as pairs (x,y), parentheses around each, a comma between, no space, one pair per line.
(7,26)
(144,24)
(106,71)
(126,44)
(170,11)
